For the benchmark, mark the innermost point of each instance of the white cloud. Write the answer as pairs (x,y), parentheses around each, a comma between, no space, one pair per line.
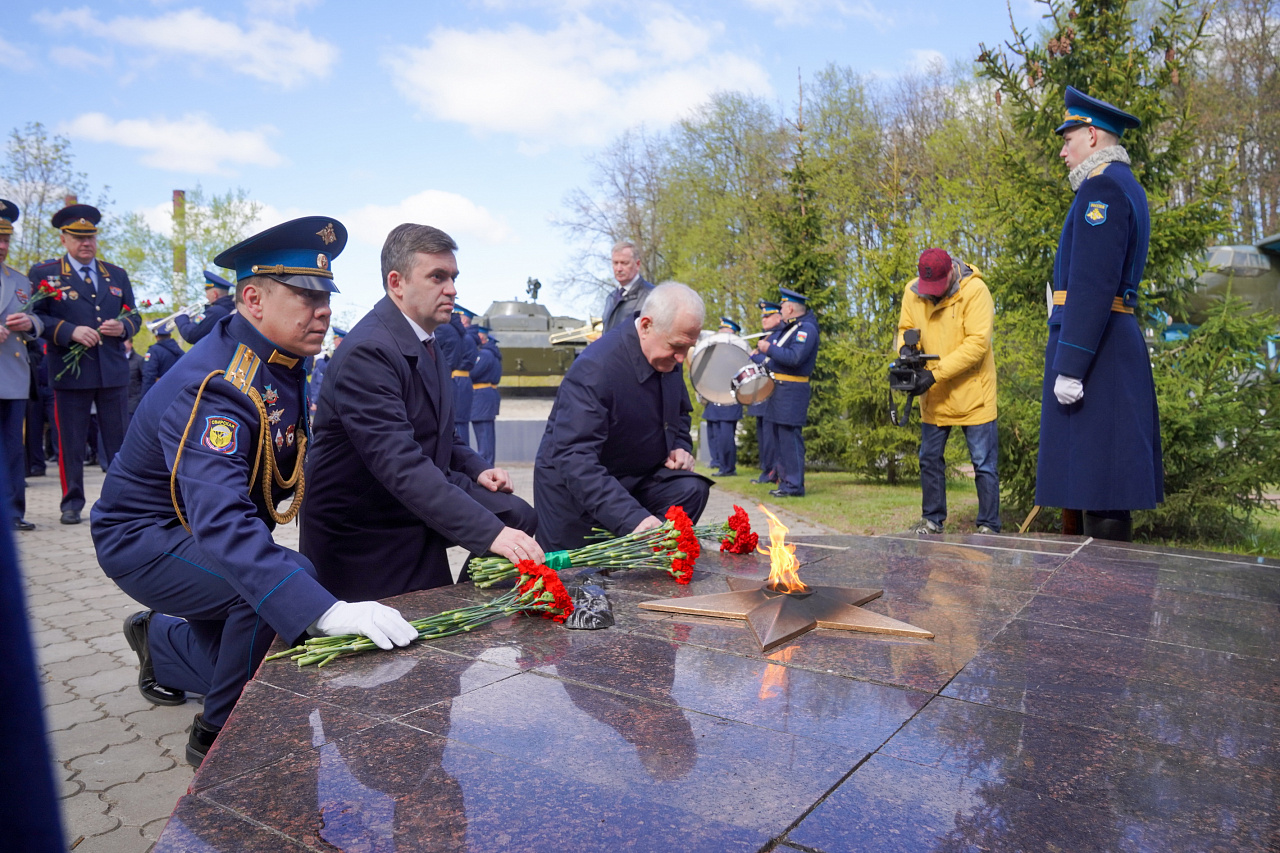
(190,144)
(12,56)
(459,216)
(922,61)
(580,83)
(280,8)
(793,12)
(71,56)
(271,52)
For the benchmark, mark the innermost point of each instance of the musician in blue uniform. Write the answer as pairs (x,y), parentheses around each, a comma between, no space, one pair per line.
(186,513)
(771,323)
(160,358)
(791,358)
(617,451)
(486,401)
(722,422)
(86,328)
(318,368)
(460,351)
(1099,426)
(217,293)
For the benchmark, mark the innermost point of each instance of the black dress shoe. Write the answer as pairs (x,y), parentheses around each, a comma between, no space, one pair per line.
(22,524)
(202,737)
(136,630)
(760,481)
(35,472)
(785,493)
(70,516)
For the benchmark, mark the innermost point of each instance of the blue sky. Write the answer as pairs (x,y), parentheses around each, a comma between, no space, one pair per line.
(477,117)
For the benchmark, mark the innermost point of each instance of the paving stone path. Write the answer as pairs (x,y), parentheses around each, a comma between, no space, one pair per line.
(119,760)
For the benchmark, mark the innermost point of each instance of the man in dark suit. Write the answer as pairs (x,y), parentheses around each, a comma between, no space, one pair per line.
(86,328)
(217,293)
(617,453)
(632,288)
(390,485)
(185,518)
(160,358)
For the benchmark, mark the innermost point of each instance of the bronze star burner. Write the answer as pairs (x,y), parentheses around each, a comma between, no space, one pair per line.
(782,608)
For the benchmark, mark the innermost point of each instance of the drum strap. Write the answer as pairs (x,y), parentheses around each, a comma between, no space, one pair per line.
(787,377)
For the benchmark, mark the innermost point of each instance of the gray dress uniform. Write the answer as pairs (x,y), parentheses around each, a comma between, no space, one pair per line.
(15,384)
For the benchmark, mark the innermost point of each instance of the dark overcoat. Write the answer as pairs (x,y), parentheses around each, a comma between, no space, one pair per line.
(1103,452)
(390,486)
(614,421)
(103,366)
(619,307)
(160,358)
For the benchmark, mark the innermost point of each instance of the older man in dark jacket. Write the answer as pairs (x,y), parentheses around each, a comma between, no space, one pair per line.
(617,452)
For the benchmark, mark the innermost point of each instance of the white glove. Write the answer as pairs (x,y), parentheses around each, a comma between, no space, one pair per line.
(384,625)
(1068,389)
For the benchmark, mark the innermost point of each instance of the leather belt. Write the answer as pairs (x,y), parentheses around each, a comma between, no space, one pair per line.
(459,374)
(479,385)
(786,377)
(1117,304)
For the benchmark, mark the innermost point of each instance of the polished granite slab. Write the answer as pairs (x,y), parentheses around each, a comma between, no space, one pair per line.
(1076,697)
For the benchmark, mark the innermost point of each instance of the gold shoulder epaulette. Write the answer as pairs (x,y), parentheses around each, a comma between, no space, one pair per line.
(1102,167)
(243,368)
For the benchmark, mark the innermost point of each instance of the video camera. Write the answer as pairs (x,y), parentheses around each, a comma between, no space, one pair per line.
(905,373)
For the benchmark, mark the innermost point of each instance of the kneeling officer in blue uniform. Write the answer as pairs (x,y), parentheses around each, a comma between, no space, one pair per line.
(184,525)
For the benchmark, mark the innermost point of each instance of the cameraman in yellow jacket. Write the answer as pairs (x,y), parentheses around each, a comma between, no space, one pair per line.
(951,306)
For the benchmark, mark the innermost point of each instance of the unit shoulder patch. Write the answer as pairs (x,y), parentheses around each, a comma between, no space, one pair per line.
(220,434)
(802,336)
(1096,214)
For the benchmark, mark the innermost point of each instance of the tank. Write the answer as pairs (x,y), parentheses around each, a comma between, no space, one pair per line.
(524,331)
(1251,273)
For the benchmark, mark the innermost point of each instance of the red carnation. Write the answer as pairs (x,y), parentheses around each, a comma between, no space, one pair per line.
(741,540)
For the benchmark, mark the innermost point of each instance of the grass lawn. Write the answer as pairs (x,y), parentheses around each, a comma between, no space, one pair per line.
(850,504)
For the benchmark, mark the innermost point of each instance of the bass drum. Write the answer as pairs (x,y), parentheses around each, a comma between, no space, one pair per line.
(713,363)
(752,384)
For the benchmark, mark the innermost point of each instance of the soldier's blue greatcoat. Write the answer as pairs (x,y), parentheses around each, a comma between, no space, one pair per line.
(233,585)
(1103,452)
(600,463)
(791,358)
(460,352)
(764,434)
(486,401)
(192,331)
(160,358)
(722,420)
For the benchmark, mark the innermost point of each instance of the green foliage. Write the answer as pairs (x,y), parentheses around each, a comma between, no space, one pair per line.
(1220,424)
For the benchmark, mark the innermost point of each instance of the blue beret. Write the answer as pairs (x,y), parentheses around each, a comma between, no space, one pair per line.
(789,295)
(298,253)
(79,219)
(1084,110)
(725,321)
(9,214)
(215,280)
(339,332)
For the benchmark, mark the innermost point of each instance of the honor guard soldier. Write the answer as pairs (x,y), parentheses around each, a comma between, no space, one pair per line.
(217,292)
(722,422)
(18,329)
(185,518)
(86,325)
(1099,426)
(791,358)
(316,382)
(771,323)
(486,401)
(162,356)
(460,351)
